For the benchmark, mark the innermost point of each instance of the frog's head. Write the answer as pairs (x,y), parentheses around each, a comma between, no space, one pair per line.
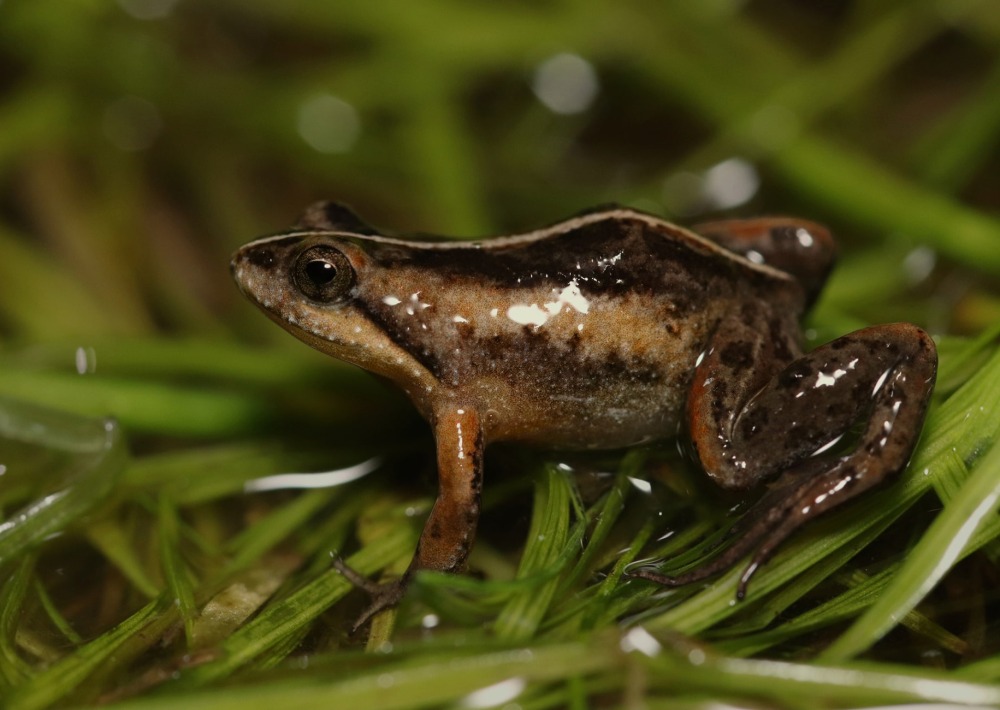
(310,283)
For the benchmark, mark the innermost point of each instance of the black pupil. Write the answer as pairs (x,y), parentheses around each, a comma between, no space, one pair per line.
(321,272)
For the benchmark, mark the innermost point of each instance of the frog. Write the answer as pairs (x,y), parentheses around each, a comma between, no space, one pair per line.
(610,329)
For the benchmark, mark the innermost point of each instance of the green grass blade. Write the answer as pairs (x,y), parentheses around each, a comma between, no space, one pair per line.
(945,542)
(81,461)
(293,613)
(547,540)
(175,571)
(60,679)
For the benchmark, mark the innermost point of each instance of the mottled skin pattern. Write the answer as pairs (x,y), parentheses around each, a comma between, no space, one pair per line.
(606,330)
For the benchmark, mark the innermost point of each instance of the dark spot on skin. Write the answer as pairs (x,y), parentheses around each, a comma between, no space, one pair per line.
(435,530)
(838,411)
(782,234)
(793,375)
(737,355)
(755,422)
(779,341)
(262,257)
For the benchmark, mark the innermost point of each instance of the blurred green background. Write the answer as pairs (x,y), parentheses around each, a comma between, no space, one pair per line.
(142,141)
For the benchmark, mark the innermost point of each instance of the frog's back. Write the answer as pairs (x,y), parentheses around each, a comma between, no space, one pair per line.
(586,332)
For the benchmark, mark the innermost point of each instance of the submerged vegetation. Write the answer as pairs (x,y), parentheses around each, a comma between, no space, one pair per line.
(148,554)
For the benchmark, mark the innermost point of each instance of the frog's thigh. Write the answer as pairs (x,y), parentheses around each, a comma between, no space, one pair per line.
(451,528)
(798,247)
(746,352)
(881,375)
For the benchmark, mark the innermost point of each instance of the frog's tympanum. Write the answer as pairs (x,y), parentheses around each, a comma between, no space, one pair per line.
(609,329)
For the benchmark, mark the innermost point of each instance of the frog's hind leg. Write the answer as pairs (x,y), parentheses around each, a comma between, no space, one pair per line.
(880,377)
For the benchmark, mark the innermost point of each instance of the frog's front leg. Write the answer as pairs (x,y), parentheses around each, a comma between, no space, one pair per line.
(746,431)
(450,529)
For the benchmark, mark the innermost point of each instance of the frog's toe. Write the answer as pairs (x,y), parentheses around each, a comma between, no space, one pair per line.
(383,595)
(729,557)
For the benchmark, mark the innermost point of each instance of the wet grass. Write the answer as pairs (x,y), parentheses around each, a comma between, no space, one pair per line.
(143,562)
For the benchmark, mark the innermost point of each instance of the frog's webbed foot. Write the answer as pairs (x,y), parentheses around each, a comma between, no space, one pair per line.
(384,595)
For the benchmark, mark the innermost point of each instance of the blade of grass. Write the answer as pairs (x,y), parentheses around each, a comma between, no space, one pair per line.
(851,603)
(423,681)
(175,572)
(946,541)
(547,540)
(950,153)
(95,454)
(55,616)
(266,533)
(287,617)
(859,188)
(820,685)
(112,539)
(13,669)
(60,680)
(610,508)
(146,406)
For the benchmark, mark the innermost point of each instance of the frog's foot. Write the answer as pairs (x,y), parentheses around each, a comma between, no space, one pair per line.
(383,595)
(709,569)
(729,557)
(779,513)
(765,526)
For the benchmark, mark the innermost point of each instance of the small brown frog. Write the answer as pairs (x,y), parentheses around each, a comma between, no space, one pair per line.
(609,329)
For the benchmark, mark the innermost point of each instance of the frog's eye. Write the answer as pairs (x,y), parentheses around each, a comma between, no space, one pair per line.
(323,274)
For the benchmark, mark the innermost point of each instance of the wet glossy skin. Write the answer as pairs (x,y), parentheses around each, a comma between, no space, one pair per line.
(609,329)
